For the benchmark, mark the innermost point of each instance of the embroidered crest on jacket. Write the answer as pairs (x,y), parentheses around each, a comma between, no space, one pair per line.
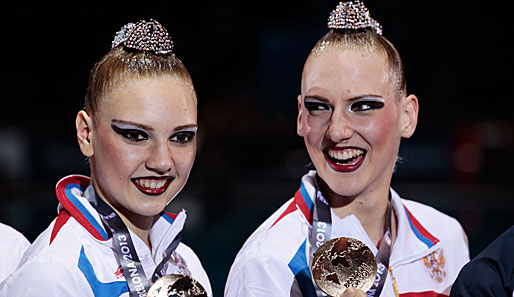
(435,263)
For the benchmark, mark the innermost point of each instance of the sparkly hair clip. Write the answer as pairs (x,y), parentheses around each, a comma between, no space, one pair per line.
(352,15)
(145,36)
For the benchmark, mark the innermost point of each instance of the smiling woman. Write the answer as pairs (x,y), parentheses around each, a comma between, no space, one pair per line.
(138,130)
(353,111)
(136,140)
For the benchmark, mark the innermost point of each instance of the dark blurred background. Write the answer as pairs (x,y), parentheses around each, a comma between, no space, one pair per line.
(246,60)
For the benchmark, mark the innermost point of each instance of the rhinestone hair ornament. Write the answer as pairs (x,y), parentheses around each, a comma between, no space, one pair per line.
(145,36)
(352,15)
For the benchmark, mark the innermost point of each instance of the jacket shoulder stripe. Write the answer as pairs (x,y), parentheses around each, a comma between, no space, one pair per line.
(304,202)
(420,232)
(61,219)
(301,271)
(99,289)
(291,208)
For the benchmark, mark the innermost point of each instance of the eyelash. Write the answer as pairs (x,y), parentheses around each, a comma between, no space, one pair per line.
(366,105)
(133,135)
(316,106)
(188,134)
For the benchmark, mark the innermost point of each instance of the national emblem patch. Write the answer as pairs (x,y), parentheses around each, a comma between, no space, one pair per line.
(435,264)
(177,261)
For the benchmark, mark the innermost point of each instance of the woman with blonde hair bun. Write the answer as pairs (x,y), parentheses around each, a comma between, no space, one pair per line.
(111,236)
(353,111)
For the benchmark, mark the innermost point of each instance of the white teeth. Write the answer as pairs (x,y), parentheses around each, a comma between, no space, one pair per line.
(346,154)
(151,184)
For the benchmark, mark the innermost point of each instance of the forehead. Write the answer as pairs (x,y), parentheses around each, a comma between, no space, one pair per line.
(347,72)
(149,100)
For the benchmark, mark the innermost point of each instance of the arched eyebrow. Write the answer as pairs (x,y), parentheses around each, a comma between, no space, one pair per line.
(150,129)
(356,98)
(368,96)
(186,127)
(138,125)
(316,97)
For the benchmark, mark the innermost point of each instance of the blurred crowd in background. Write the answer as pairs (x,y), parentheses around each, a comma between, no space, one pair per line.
(246,60)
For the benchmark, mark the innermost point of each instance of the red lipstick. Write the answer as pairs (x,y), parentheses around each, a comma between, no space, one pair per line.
(152,185)
(345,159)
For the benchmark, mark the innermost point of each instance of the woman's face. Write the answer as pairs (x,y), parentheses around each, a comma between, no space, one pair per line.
(352,120)
(143,144)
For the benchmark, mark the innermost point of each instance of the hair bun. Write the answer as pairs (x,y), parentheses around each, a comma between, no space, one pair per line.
(352,15)
(146,36)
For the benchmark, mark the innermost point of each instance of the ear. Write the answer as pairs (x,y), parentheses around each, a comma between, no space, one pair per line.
(84,125)
(410,108)
(299,124)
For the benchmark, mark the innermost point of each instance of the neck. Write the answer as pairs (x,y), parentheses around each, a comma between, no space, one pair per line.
(369,208)
(138,224)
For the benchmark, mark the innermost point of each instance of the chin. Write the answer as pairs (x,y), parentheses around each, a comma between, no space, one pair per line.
(345,190)
(150,208)
(347,186)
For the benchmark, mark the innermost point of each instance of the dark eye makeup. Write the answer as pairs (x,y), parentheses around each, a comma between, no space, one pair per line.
(183,136)
(134,134)
(358,105)
(316,105)
(366,104)
(131,134)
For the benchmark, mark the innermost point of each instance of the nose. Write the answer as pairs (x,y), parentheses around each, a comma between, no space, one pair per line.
(160,159)
(339,128)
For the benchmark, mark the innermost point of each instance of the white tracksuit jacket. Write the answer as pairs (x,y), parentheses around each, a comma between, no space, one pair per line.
(428,253)
(12,246)
(75,257)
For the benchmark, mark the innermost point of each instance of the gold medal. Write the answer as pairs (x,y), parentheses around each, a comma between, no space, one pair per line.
(341,263)
(176,285)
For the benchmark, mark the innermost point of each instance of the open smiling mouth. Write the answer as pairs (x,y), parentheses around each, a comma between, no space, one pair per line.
(152,185)
(344,159)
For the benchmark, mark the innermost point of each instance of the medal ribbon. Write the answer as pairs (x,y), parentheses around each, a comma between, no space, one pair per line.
(382,258)
(321,229)
(127,255)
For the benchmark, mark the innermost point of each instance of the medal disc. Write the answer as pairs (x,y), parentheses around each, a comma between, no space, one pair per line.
(176,285)
(341,263)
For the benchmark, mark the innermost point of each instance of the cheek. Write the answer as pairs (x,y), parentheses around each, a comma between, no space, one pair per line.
(380,130)
(118,157)
(315,127)
(184,158)
(108,151)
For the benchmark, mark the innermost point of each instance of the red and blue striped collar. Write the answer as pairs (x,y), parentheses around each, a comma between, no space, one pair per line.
(304,200)
(69,192)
